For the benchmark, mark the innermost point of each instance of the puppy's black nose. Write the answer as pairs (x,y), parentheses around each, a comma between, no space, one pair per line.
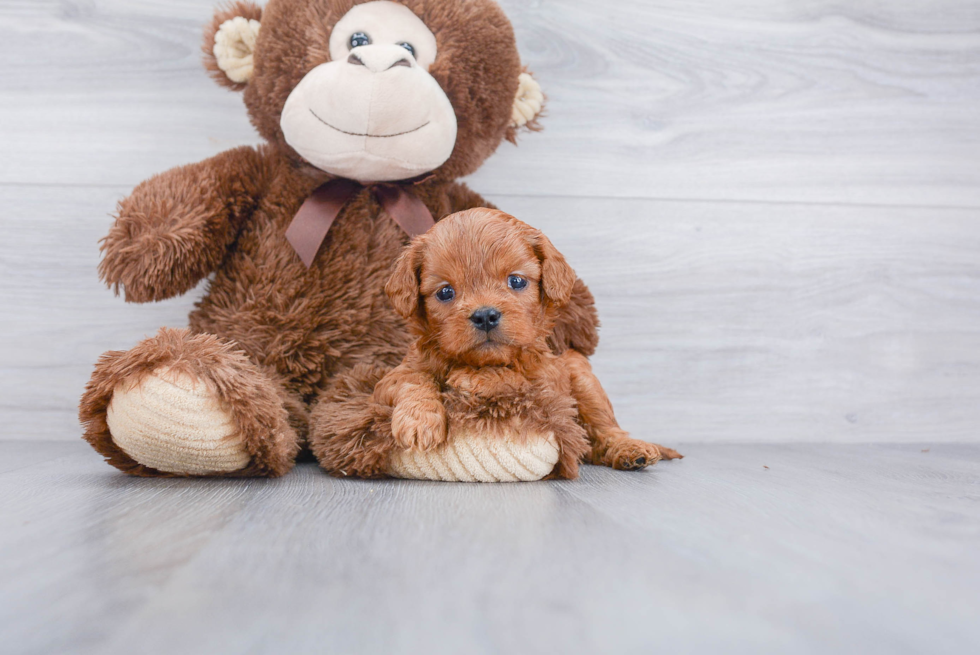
(485,318)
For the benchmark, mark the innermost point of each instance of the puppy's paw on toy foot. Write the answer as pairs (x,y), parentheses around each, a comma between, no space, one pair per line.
(419,426)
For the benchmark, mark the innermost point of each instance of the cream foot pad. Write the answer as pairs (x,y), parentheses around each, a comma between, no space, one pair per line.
(175,424)
(480,458)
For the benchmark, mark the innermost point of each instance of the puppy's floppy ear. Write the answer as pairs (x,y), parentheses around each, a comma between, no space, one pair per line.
(229,43)
(403,285)
(557,277)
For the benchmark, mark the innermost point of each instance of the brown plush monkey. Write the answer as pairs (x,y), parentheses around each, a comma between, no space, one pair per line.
(371,111)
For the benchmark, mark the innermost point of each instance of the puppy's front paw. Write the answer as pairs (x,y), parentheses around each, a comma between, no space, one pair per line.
(419,424)
(627,454)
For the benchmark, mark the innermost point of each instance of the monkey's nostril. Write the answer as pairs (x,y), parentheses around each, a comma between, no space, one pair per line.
(401,62)
(485,318)
(354,59)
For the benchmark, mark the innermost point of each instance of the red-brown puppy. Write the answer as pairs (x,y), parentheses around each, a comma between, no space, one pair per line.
(481,290)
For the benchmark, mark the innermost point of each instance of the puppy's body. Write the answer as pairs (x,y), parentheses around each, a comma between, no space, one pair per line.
(481,290)
(434,401)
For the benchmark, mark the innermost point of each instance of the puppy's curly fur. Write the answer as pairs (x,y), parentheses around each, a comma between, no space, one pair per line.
(481,291)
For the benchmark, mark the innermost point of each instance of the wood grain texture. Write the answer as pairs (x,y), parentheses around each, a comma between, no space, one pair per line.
(740,549)
(721,322)
(816,280)
(823,101)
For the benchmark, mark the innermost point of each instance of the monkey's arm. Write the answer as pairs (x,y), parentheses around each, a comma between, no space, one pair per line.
(175,227)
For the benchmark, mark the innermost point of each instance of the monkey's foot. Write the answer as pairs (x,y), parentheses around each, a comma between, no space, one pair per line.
(173,423)
(184,404)
(476,457)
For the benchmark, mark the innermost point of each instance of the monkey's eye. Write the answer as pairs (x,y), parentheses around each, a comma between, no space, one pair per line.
(357,39)
(516,282)
(445,294)
(408,46)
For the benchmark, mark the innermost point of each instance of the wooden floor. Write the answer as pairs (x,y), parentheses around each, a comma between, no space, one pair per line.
(763,548)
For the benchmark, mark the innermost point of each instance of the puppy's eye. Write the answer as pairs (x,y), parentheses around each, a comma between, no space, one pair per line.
(445,294)
(516,282)
(357,39)
(408,46)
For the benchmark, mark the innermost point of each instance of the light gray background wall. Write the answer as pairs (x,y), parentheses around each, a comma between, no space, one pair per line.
(777,204)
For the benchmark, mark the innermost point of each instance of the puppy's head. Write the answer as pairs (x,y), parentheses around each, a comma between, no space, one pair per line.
(481,286)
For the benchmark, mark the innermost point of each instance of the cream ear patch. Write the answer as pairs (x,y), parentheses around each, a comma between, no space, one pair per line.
(528,102)
(234,44)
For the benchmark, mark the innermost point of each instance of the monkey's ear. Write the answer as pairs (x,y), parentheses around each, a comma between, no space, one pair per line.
(557,276)
(528,106)
(229,43)
(403,285)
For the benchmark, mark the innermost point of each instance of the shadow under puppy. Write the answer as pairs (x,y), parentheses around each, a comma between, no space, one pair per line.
(480,394)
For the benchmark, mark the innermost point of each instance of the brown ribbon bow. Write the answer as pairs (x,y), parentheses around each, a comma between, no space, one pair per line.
(309,227)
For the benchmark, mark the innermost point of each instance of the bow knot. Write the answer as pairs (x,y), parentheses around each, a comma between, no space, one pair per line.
(309,227)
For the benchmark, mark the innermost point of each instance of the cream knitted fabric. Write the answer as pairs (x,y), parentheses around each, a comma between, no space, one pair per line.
(474,457)
(175,424)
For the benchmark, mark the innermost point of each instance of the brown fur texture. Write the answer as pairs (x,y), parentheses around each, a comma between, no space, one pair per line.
(459,377)
(298,328)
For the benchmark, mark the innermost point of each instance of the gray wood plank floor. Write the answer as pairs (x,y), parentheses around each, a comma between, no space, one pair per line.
(764,548)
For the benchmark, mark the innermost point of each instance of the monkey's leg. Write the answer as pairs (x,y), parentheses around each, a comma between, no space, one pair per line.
(350,434)
(182,404)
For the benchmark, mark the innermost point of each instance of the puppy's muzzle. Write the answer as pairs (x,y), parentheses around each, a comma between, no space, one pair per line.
(485,318)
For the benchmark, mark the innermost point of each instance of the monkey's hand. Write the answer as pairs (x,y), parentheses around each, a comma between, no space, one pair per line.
(175,228)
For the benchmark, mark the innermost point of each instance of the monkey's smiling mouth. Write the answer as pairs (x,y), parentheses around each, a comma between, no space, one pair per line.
(376,136)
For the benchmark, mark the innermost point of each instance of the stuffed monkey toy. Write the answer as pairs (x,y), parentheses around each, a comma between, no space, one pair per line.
(370,112)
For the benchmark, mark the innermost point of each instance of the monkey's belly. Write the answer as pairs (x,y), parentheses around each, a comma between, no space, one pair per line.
(478,456)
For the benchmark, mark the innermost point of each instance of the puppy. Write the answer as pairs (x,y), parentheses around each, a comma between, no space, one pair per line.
(481,291)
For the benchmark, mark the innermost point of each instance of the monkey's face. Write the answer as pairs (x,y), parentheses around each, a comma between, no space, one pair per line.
(373,113)
(376,91)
